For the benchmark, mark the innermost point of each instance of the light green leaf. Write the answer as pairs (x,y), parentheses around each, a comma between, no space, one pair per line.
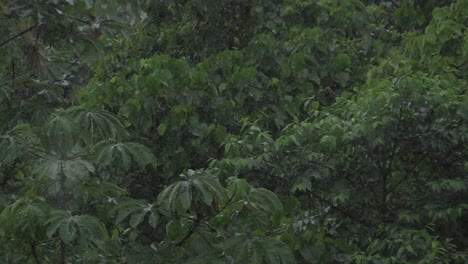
(162,129)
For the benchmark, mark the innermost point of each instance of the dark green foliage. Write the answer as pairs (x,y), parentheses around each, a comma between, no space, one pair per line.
(232,131)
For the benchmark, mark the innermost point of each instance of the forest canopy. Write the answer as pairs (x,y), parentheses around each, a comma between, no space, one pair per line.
(233,131)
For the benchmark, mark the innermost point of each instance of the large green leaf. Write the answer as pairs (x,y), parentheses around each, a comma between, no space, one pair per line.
(16,143)
(261,198)
(25,218)
(238,188)
(73,169)
(137,210)
(172,201)
(60,134)
(199,189)
(123,154)
(87,229)
(256,199)
(98,125)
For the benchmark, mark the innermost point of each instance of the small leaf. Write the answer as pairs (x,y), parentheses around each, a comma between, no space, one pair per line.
(162,129)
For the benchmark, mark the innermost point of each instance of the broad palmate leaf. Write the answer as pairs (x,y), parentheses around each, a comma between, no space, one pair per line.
(138,209)
(25,218)
(87,229)
(198,191)
(123,153)
(244,195)
(73,168)
(16,143)
(60,134)
(98,124)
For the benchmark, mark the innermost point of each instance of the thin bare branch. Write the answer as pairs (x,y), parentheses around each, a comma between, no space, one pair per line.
(18,35)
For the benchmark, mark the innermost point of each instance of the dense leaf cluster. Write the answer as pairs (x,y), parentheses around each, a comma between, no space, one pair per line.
(233,131)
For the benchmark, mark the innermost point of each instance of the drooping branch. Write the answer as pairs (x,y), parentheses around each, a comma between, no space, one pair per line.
(18,35)
(63,248)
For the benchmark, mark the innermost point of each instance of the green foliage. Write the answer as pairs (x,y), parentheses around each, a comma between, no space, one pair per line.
(199,190)
(123,153)
(25,219)
(60,135)
(410,245)
(138,209)
(70,227)
(16,143)
(233,131)
(259,250)
(98,124)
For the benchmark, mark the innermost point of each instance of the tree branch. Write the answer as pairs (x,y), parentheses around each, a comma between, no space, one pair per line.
(18,35)
(197,222)
(406,175)
(390,164)
(204,238)
(189,233)
(13,75)
(63,248)
(63,251)
(342,211)
(34,253)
